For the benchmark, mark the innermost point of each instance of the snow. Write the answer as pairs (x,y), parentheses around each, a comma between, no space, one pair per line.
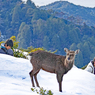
(15,79)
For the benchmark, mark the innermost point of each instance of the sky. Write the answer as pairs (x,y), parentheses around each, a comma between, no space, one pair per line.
(15,79)
(85,3)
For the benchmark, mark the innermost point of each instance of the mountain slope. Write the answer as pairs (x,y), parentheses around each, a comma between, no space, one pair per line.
(85,14)
(15,80)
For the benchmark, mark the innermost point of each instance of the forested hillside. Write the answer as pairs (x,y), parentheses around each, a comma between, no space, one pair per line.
(74,13)
(39,28)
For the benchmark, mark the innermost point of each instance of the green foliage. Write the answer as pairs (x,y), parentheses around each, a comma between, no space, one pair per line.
(71,12)
(25,33)
(16,16)
(17,53)
(84,67)
(2,42)
(32,49)
(15,43)
(20,54)
(30,3)
(42,91)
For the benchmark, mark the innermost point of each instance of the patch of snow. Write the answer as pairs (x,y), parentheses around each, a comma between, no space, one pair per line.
(15,79)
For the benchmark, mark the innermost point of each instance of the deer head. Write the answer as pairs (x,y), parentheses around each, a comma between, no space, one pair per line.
(70,55)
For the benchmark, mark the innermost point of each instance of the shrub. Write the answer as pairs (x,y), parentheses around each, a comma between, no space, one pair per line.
(18,53)
(84,67)
(42,91)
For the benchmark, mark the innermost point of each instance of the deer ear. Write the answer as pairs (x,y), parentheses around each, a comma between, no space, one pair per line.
(65,49)
(77,51)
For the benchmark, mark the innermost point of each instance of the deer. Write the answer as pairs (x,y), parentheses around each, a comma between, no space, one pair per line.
(53,63)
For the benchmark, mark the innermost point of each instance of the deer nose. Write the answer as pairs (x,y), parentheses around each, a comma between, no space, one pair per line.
(68,58)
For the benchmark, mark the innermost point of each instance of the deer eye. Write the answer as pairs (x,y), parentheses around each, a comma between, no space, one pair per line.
(72,54)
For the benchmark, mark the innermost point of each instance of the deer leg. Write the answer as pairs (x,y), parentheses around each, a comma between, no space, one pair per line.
(34,73)
(35,76)
(31,76)
(60,86)
(59,79)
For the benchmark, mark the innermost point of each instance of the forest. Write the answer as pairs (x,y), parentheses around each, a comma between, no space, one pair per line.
(36,27)
(74,13)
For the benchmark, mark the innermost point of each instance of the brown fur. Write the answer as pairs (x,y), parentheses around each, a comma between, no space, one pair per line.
(52,63)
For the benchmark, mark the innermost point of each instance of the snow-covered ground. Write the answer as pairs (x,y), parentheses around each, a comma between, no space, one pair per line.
(15,80)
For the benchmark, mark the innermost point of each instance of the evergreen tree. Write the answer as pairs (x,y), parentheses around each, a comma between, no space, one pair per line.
(73,47)
(46,42)
(24,37)
(30,3)
(16,15)
(86,53)
(79,60)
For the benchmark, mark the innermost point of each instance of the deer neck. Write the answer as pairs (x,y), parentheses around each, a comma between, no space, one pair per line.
(68,65)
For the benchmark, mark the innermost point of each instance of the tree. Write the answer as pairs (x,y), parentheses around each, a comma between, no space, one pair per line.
(73,47)
(21,26)
(46,42)
(16,14)
(79,60)
(24,36)
(15,42)
(73,36)
(30,3)
(55,41)
(86,53)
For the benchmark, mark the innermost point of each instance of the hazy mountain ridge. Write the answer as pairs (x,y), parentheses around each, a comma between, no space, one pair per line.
(85,13)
